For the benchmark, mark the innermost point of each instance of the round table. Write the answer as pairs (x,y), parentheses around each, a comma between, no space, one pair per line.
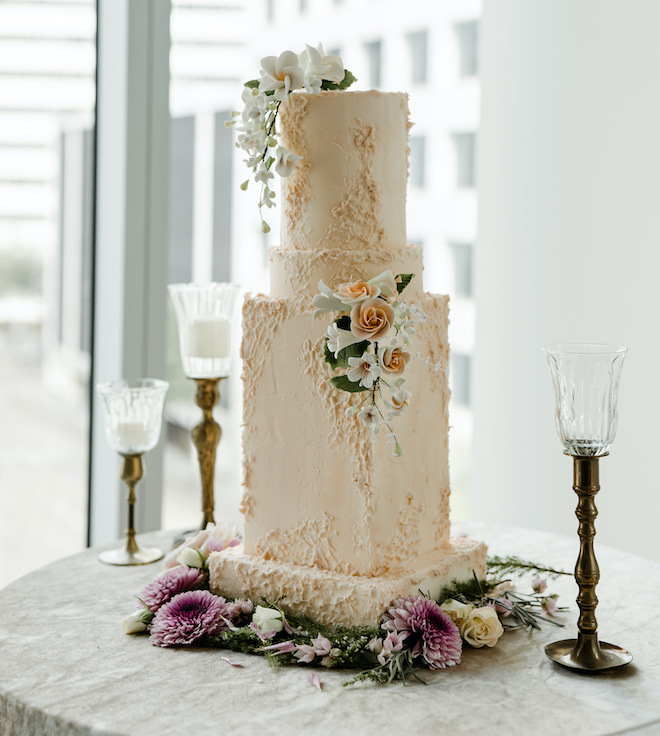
(68,669)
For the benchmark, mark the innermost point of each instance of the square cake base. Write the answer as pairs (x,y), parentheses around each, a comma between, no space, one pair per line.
(335,598)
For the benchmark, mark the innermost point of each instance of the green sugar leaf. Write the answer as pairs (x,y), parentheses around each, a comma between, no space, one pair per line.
(343,384)
(351,351)
(345,83)
(406,278)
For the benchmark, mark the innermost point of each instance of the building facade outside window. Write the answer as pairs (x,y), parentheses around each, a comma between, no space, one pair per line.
(418,51)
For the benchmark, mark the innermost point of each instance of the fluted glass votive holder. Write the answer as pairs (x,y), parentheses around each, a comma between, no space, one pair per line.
(133,412)
(585,378)
(204,316)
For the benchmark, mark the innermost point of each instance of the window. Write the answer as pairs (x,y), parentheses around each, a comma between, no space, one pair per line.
(462,258)
(374,54)
(47,100)
(418,161)
(459,378)
(418,49)
(467,36)
(465,158)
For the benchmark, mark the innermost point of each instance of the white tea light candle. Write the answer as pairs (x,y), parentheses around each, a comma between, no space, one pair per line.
(208,337)
(133,436)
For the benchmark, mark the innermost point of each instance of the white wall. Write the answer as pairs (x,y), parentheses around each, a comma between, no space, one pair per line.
(569,250)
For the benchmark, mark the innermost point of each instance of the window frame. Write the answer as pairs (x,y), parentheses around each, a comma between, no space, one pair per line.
(130,253)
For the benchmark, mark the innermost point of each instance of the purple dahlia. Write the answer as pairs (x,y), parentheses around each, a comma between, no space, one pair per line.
(188,617)
(427,630)
(171,583)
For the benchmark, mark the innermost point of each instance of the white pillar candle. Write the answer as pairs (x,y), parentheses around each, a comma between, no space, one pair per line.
(132,434)
(208,337)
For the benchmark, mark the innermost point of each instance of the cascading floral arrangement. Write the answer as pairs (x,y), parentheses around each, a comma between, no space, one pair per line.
(368,340)
(178,609)
(312,71)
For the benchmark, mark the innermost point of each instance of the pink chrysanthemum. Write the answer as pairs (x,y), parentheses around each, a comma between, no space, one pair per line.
(427,630)
(188,617)
(171,583)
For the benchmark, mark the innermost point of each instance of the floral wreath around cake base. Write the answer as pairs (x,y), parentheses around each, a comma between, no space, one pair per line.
(178,609)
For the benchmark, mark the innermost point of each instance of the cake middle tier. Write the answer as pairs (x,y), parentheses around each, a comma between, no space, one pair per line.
(320,489)
(295,274)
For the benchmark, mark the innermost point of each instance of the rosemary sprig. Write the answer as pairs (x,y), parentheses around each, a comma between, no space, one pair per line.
(511,564)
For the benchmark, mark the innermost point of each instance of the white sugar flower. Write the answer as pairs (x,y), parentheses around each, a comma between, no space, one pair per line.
(281,74)
(364,370)
(370,416)
(262,174)
(286,161)
(317,64)
(385,282)
(313,84)
(326,301)
(399,401)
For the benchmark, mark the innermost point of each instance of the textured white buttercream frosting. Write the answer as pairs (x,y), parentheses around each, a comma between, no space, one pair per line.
(350,189)
(333,523)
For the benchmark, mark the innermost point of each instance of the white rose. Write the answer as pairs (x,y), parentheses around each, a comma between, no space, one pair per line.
(267,619)
(191,557)
(133,624)
(482,628)
(458,612)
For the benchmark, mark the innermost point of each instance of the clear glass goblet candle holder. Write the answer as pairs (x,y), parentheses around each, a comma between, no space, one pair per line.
(204,315)
(585,378)
(133,412)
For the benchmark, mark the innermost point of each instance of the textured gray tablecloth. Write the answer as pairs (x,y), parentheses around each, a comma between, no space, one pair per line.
(67,669)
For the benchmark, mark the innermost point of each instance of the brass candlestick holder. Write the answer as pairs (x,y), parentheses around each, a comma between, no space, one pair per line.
(586,652)
(586,381)
(130,553)
(204,314)
(205,437)
(133,412)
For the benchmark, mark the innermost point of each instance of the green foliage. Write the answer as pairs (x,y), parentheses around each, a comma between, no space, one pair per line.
(341,361)
(343,383)
(345,83)
(406,278)
(514,565)
(467,590)
(252,84)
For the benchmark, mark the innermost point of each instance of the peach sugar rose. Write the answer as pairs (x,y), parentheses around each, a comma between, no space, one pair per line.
(393,360)
(356,291)
(372,319)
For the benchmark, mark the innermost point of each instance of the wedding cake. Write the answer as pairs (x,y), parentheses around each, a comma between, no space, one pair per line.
(337,525)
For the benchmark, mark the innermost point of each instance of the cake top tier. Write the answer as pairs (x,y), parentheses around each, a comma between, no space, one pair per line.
(349,191)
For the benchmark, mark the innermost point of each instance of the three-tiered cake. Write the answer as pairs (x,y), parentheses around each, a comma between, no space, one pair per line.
(335,526)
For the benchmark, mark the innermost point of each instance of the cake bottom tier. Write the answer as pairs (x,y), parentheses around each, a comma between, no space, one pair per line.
(335,598)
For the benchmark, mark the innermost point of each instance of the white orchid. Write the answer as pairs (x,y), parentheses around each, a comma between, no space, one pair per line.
(281,74)
(317,64)
(286,161)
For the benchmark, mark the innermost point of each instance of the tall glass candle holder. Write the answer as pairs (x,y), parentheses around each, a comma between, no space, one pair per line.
(133,412)
(204,315)
(585,378)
